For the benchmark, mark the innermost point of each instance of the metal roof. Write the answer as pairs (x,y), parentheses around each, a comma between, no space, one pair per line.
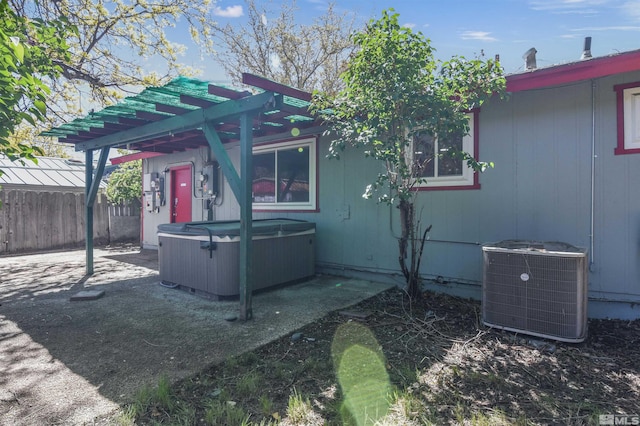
(49,172)
(183,95)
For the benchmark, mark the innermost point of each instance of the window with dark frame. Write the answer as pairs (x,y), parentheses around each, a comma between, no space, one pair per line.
(434,165)
(284,176)
(441,170)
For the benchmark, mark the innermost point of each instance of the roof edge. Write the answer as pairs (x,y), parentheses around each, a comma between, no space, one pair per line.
(135,156)
(574,72)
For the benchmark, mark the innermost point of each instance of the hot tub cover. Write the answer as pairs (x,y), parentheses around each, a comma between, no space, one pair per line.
(231,228)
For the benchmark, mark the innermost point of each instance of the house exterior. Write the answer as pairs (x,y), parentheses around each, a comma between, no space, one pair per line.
(566,148)
(565,144)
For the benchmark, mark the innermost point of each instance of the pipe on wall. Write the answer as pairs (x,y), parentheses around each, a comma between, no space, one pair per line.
(593,178)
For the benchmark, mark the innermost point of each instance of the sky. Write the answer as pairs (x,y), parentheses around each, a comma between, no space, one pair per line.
(555,28)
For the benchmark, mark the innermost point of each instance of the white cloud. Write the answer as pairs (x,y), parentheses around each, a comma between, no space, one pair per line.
(477,35)
(608,28)
(229,11)
(409,25)
(632,9)
(582,7)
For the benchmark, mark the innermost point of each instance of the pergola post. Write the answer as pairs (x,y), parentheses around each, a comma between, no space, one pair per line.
(246,216)
(88,210)
(92,183)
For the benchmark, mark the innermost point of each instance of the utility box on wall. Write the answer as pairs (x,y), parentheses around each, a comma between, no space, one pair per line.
(209,180)
(153,189)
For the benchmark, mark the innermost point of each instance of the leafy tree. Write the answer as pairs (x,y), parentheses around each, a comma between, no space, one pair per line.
(306,57)
(395,89)
(113,40)
(47,147)
(125,183)
(29,51)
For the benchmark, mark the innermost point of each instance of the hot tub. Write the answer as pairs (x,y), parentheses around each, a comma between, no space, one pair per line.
(203,257)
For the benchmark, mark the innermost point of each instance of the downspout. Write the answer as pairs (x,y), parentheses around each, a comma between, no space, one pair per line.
(593,177)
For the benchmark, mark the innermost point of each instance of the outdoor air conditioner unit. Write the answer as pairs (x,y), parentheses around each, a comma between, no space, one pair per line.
(536,288)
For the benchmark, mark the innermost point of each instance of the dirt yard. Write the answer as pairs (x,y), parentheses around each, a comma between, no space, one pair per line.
(443,367)
(68,363)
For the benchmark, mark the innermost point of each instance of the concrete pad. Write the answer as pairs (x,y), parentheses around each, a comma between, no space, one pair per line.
(87,295)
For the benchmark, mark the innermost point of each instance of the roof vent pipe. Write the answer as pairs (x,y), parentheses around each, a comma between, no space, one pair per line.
(530,59)
(586,52)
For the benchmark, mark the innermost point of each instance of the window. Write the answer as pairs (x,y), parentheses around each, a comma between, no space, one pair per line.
(441,170)
(284,176)
(628,110)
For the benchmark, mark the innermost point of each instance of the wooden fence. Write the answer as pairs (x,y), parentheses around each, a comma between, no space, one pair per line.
(35,221)
(124,222)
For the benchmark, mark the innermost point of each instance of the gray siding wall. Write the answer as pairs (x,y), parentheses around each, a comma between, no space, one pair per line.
(540,189)
(616,269)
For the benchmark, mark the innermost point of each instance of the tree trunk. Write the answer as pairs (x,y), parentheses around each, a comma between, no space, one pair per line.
(409,256)
(411,247)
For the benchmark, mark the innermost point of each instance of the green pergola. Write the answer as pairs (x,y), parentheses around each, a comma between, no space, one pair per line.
(187,114)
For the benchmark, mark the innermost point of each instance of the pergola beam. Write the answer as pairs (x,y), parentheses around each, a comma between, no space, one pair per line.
(188,121)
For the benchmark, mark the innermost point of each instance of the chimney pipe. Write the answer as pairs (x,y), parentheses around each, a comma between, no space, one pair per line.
(586,52)
(530,59)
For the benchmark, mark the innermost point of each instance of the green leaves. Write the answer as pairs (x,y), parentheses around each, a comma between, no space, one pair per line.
(125,183)
(28,51)
(395,87)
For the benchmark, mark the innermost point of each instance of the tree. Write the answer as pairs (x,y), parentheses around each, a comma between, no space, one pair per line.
(396,90)
(47,147)
(114,38)
(306,57)
(125,183)
(29,50)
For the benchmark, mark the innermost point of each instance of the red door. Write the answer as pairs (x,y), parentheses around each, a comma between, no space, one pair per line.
(181,194)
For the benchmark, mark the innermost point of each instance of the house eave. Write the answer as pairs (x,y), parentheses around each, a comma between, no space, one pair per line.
(574,72)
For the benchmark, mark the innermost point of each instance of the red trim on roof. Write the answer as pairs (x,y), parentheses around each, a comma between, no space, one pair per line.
(133,157)
(574,72)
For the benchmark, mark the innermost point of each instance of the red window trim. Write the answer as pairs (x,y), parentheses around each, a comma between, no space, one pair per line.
(476,155)
(293,210)
(619,89)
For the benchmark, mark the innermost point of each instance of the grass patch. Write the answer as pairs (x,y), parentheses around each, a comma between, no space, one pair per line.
(301,412)
(266,405)
(249,384)
(219,412)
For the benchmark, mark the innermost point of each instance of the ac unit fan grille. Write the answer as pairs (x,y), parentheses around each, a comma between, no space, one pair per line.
(540,294)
